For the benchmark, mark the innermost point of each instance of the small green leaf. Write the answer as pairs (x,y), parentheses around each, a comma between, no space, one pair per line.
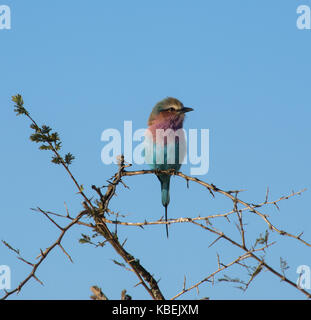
(85,239)
(35,127)
(18,99)
(56,159)
(45,129)
(69,158)
(45,147)
(19,106)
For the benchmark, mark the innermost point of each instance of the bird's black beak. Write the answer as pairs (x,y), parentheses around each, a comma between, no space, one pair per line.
(184,110)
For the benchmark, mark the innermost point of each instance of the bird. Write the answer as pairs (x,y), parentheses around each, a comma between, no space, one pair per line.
(165,142)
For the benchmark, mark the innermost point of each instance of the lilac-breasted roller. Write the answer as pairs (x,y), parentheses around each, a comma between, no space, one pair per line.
(165,143)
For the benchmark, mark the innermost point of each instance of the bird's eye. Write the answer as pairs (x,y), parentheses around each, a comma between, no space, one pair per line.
(171,109)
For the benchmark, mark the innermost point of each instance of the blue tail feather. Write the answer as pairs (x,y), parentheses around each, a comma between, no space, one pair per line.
(165,194)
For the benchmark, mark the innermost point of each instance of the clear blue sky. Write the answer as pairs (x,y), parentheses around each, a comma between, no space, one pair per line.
(83,67)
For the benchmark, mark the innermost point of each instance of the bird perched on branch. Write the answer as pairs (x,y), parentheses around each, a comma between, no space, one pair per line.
(165,143)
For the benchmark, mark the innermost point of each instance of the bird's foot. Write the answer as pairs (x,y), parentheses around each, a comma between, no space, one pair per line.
(172,171)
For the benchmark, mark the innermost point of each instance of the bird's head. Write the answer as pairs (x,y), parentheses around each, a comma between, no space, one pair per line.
(169,108)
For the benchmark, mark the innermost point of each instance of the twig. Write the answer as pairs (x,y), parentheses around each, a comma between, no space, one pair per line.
(43,257)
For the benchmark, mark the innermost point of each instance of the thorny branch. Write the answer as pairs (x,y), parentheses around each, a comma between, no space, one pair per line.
(43,256)
(98,210)
(212,188)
